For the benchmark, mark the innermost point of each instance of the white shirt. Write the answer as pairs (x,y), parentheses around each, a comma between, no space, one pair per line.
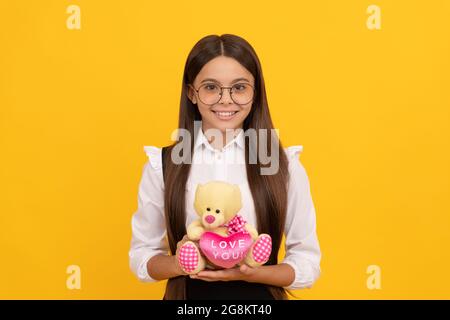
(148,223)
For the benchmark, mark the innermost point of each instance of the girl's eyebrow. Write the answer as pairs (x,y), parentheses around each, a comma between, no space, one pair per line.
(235,80)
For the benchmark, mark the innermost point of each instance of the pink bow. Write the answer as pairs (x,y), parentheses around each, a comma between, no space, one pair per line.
(236,225)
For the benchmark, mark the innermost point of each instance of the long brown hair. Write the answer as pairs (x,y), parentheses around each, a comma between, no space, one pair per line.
(269,191)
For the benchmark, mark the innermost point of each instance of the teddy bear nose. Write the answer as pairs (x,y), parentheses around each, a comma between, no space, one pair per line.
(210,219)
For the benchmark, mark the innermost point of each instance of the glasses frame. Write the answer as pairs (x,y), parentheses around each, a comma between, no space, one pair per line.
(221,92)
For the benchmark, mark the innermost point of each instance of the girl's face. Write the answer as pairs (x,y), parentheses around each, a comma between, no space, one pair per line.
(225,114)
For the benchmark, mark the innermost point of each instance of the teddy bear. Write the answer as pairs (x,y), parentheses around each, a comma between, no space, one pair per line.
(220,237)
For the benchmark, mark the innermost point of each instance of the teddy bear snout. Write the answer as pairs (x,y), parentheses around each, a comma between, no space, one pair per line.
(210,219)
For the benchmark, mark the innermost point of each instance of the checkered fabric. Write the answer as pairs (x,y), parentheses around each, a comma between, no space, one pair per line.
(262,249)
(236,225)
(188,257)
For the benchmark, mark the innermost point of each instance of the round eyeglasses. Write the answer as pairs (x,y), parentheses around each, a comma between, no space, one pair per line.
(211,93)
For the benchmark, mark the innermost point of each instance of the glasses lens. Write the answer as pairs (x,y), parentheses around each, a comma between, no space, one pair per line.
(242,93)
(209,93)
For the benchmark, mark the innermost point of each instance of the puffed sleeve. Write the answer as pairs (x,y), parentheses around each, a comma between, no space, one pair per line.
(148,223)
(302,246)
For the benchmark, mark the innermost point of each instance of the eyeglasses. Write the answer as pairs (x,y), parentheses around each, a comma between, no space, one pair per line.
(211,93)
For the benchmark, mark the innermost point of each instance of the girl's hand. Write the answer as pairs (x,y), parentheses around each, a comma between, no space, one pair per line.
(243,272)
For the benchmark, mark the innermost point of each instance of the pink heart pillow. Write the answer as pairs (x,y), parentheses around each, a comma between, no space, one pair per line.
(227,251)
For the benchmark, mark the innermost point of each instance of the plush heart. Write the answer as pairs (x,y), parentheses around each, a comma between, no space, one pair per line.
(227,251)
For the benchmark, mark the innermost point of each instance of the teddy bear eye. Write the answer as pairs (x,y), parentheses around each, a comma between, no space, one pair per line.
(208,209)
(217,211)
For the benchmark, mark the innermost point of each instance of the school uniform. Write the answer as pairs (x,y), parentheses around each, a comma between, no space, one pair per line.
(228,164)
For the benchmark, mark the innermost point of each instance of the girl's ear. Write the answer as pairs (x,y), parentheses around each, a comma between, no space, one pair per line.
(191,94)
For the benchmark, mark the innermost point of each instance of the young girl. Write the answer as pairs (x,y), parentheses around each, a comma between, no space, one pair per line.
(223,87)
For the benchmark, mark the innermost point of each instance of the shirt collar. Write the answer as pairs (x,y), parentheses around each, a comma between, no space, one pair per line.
(202,140)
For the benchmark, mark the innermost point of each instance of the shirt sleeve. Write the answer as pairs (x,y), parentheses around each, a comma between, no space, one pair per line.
(302,246)
(148,223)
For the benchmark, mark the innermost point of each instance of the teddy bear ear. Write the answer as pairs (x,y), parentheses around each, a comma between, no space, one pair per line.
(197,200)
(236,204)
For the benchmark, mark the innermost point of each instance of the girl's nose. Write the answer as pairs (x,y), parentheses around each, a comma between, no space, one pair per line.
(210,219)
(226,97)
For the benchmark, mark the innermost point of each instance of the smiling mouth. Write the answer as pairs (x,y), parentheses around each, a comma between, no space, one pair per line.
(225,115)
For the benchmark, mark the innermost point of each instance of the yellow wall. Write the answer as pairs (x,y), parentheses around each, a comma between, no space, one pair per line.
(370,107)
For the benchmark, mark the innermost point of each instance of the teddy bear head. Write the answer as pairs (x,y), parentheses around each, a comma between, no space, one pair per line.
(217,202)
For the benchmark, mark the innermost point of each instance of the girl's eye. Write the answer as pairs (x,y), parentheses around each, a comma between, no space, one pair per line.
(208,209)
(211,87)
(217,211)
(239,87)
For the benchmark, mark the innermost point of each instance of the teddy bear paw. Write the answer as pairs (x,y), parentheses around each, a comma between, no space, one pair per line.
(262,249)
(190,259)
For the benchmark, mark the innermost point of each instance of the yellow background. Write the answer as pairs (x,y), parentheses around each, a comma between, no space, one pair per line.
(370,107)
